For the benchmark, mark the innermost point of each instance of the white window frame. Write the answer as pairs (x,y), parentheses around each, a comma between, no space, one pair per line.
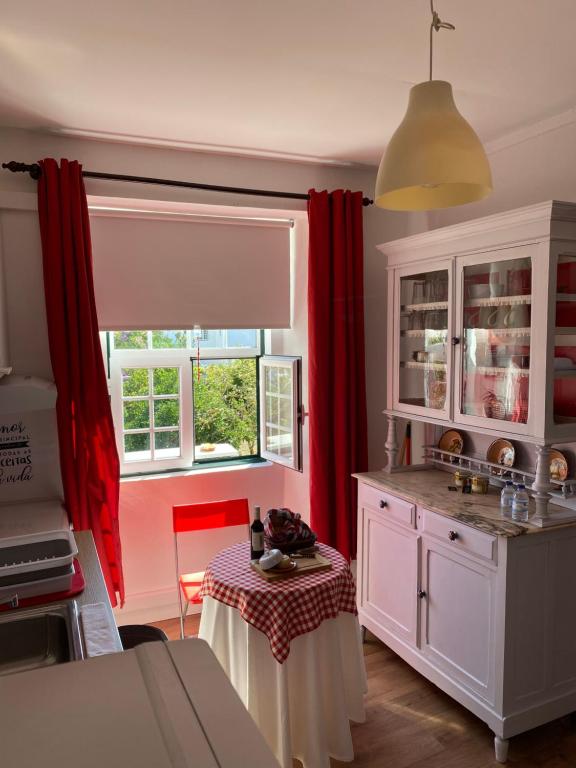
(163,358)
(294,365)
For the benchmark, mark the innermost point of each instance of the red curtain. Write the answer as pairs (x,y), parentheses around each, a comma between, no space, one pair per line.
(337,382)
(88,456)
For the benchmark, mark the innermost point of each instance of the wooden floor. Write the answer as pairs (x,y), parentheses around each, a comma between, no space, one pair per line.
(412,724)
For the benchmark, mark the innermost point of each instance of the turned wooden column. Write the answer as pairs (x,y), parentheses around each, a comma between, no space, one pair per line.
(391,444)
(542,486)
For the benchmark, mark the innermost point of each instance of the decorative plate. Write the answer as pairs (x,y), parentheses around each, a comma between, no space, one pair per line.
(501,452)
(558,465)
(451,441)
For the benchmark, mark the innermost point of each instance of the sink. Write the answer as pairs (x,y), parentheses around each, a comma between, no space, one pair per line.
(39,637)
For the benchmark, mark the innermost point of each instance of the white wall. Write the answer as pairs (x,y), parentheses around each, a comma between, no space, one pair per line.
(542,167)
(146,504)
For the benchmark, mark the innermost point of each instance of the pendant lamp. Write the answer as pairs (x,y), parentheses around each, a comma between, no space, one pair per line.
(434,159)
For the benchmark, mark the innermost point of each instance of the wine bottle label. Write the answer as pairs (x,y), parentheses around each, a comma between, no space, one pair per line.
(257,540)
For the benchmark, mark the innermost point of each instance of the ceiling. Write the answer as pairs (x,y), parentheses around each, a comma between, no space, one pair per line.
(322,79)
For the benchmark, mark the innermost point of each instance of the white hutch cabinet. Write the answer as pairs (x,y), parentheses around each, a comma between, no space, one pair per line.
(482,327)
(482,337)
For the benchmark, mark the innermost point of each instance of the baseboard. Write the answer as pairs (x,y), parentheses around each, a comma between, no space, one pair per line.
(145,607)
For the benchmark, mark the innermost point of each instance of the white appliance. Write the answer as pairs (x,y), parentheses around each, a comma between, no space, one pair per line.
(31,496)
(160,705)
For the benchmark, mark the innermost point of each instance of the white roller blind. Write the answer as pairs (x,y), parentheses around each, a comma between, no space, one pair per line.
(176,272)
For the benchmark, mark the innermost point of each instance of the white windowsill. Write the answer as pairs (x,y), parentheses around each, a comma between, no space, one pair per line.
(194,472)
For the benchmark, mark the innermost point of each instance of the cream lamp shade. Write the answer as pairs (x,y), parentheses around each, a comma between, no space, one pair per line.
(434,159)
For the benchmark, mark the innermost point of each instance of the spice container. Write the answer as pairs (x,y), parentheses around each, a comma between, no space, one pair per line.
(479,484)
(460,478)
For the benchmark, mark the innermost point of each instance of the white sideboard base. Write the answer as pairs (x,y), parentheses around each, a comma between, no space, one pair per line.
(501,749)
(503,728)
(485,616)
(434,675)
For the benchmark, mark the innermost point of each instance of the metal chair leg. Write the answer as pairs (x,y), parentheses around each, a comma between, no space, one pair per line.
(183,618)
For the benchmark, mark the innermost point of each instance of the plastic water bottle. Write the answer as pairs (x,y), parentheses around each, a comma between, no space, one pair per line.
(520,504)
(506,498)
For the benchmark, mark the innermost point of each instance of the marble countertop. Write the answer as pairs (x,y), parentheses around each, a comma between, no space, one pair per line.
(429,488)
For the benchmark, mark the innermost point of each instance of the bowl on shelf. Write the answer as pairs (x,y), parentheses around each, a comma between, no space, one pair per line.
(558,465)
(451,441)
(502,452)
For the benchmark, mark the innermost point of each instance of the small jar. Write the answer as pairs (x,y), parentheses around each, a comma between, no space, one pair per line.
(459,478)
(479,484)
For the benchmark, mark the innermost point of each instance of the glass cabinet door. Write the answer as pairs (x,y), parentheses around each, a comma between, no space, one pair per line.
(495,357)
(565,342)
(423,342)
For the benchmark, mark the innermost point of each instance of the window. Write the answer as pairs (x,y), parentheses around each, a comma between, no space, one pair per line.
(280,408)
(184,398)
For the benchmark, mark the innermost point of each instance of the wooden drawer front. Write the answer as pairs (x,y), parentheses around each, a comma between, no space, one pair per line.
(462,537)
(391,507)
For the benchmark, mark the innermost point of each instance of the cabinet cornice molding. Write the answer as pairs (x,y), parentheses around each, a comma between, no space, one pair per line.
(542,221)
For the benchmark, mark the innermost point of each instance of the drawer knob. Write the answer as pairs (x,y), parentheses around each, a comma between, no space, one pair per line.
(421,594)
(452,535)
(383,503)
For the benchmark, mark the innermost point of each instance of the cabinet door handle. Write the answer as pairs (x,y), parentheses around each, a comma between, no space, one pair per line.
(452,535)
(383,503)
(421,594)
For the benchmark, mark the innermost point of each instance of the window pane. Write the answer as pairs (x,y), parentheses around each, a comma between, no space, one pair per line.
(279,441)
(135,382)
(285,381)
(130,339)
(166,381)
(166,413)
(285,419)
(242,339)
(137,447)
(211,340)
(225,414)
(136,414)
(496,344)
(271,379)
(166,444)
(169,340)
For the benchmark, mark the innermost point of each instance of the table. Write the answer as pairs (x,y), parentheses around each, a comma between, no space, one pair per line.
(293,652)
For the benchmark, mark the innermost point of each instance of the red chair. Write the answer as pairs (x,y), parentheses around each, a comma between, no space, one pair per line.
(200,517)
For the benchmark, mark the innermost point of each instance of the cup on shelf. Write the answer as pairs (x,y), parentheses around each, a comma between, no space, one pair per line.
(518,316)
(418,292)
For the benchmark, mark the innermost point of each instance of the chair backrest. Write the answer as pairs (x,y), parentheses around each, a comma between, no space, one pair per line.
(210,514)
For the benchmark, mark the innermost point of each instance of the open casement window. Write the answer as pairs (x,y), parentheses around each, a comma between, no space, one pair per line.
(169,413)
(281,410)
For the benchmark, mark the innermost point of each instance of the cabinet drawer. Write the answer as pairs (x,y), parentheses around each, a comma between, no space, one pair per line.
(391,507)
(461,537)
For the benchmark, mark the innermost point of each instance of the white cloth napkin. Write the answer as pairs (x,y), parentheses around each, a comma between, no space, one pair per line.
(99,636)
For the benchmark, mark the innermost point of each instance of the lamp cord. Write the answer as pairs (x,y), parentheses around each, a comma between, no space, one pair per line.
(436,25)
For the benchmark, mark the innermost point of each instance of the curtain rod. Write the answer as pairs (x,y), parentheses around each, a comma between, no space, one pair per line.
(35,172)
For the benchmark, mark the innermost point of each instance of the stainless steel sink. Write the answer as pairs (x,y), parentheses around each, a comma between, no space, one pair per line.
(39,637)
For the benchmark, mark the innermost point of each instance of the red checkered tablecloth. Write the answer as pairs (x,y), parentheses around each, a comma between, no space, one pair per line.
(281,609)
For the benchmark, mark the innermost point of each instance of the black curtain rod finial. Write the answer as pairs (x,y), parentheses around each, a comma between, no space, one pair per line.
(32,168)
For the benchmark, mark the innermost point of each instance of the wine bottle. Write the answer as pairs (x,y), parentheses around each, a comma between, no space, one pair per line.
(256,536)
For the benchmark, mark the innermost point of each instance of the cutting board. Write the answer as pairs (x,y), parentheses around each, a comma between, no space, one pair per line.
(304,566)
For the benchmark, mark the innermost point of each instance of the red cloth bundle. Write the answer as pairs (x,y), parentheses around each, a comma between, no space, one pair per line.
(284,530)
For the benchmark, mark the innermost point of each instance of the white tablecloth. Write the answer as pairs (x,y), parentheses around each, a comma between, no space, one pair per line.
(303,707)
